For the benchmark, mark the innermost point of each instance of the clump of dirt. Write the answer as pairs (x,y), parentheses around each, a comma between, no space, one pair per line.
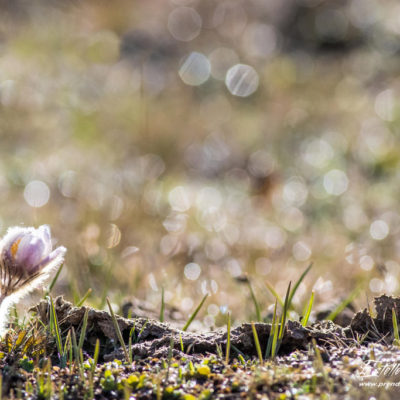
(377,327)
(153,339)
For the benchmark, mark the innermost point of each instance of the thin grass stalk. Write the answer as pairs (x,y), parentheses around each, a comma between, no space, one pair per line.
(395,328)
(308,312)
(272,331)
(274,293)
(162,309)
(228,339)
(257,343)
(196,311)
(117,330)
(297,284)
(353,294)
(255,302)
(84,298)
(54,280)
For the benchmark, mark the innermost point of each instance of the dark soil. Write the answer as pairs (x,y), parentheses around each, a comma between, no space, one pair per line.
(312,361)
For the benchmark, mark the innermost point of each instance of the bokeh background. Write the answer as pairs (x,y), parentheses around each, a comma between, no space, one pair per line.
(183,144)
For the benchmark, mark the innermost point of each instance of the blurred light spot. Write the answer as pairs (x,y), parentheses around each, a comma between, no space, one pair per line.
(384,105)
(117,206)
(392,267)
(209,321)
(318,153)
(214,286)
(224,309)
(366,263)
(323,286)
(275,237)
(129,251)
(292,219)
(175,223)
(295,192)
(229,18)
(221,60)
(261,164)
(67,183)
(213,310)
(114,236)
(208,197)
(263,266)
(242,80)
(215,249)
(317,189)
(363,13)
(335,182)
(195,70)
(233,267)
(184,23)
(150,166)
(152,282)
(36,194)
(376,285)
(192,271)
(169,244)
(379,229)
(260,40)
(354,217)
(178,199)
(391,282)
(301,251)
(186,304)
(204,287)
(231,234)
(212,219)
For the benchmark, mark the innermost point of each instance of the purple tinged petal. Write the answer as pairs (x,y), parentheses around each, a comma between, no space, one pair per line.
(59,252)
(45,234)
(30,252)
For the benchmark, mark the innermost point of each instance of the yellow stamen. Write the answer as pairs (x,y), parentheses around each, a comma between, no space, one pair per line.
(14,247)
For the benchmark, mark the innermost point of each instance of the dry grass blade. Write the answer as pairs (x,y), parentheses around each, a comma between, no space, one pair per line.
(117,330)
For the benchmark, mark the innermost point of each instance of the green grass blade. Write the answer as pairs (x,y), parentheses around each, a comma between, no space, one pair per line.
(181,342)
(83,330)
(257,343)
(285,311)
(67,343)
(96,355)
(274,349)
(162,310)
(274,293)
(395,328)
(228,339)
(308,312)
(76,348)
(255,302)
(131,334)
(117,330)
(271,333)
(54,280)
(141,330)
(84,298)
(196,311)
(353,294)
(56,329)
(296,286)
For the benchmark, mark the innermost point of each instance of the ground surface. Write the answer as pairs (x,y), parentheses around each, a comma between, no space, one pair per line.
(323,360)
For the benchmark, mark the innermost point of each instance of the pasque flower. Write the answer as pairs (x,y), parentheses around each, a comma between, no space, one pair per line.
(27,259)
